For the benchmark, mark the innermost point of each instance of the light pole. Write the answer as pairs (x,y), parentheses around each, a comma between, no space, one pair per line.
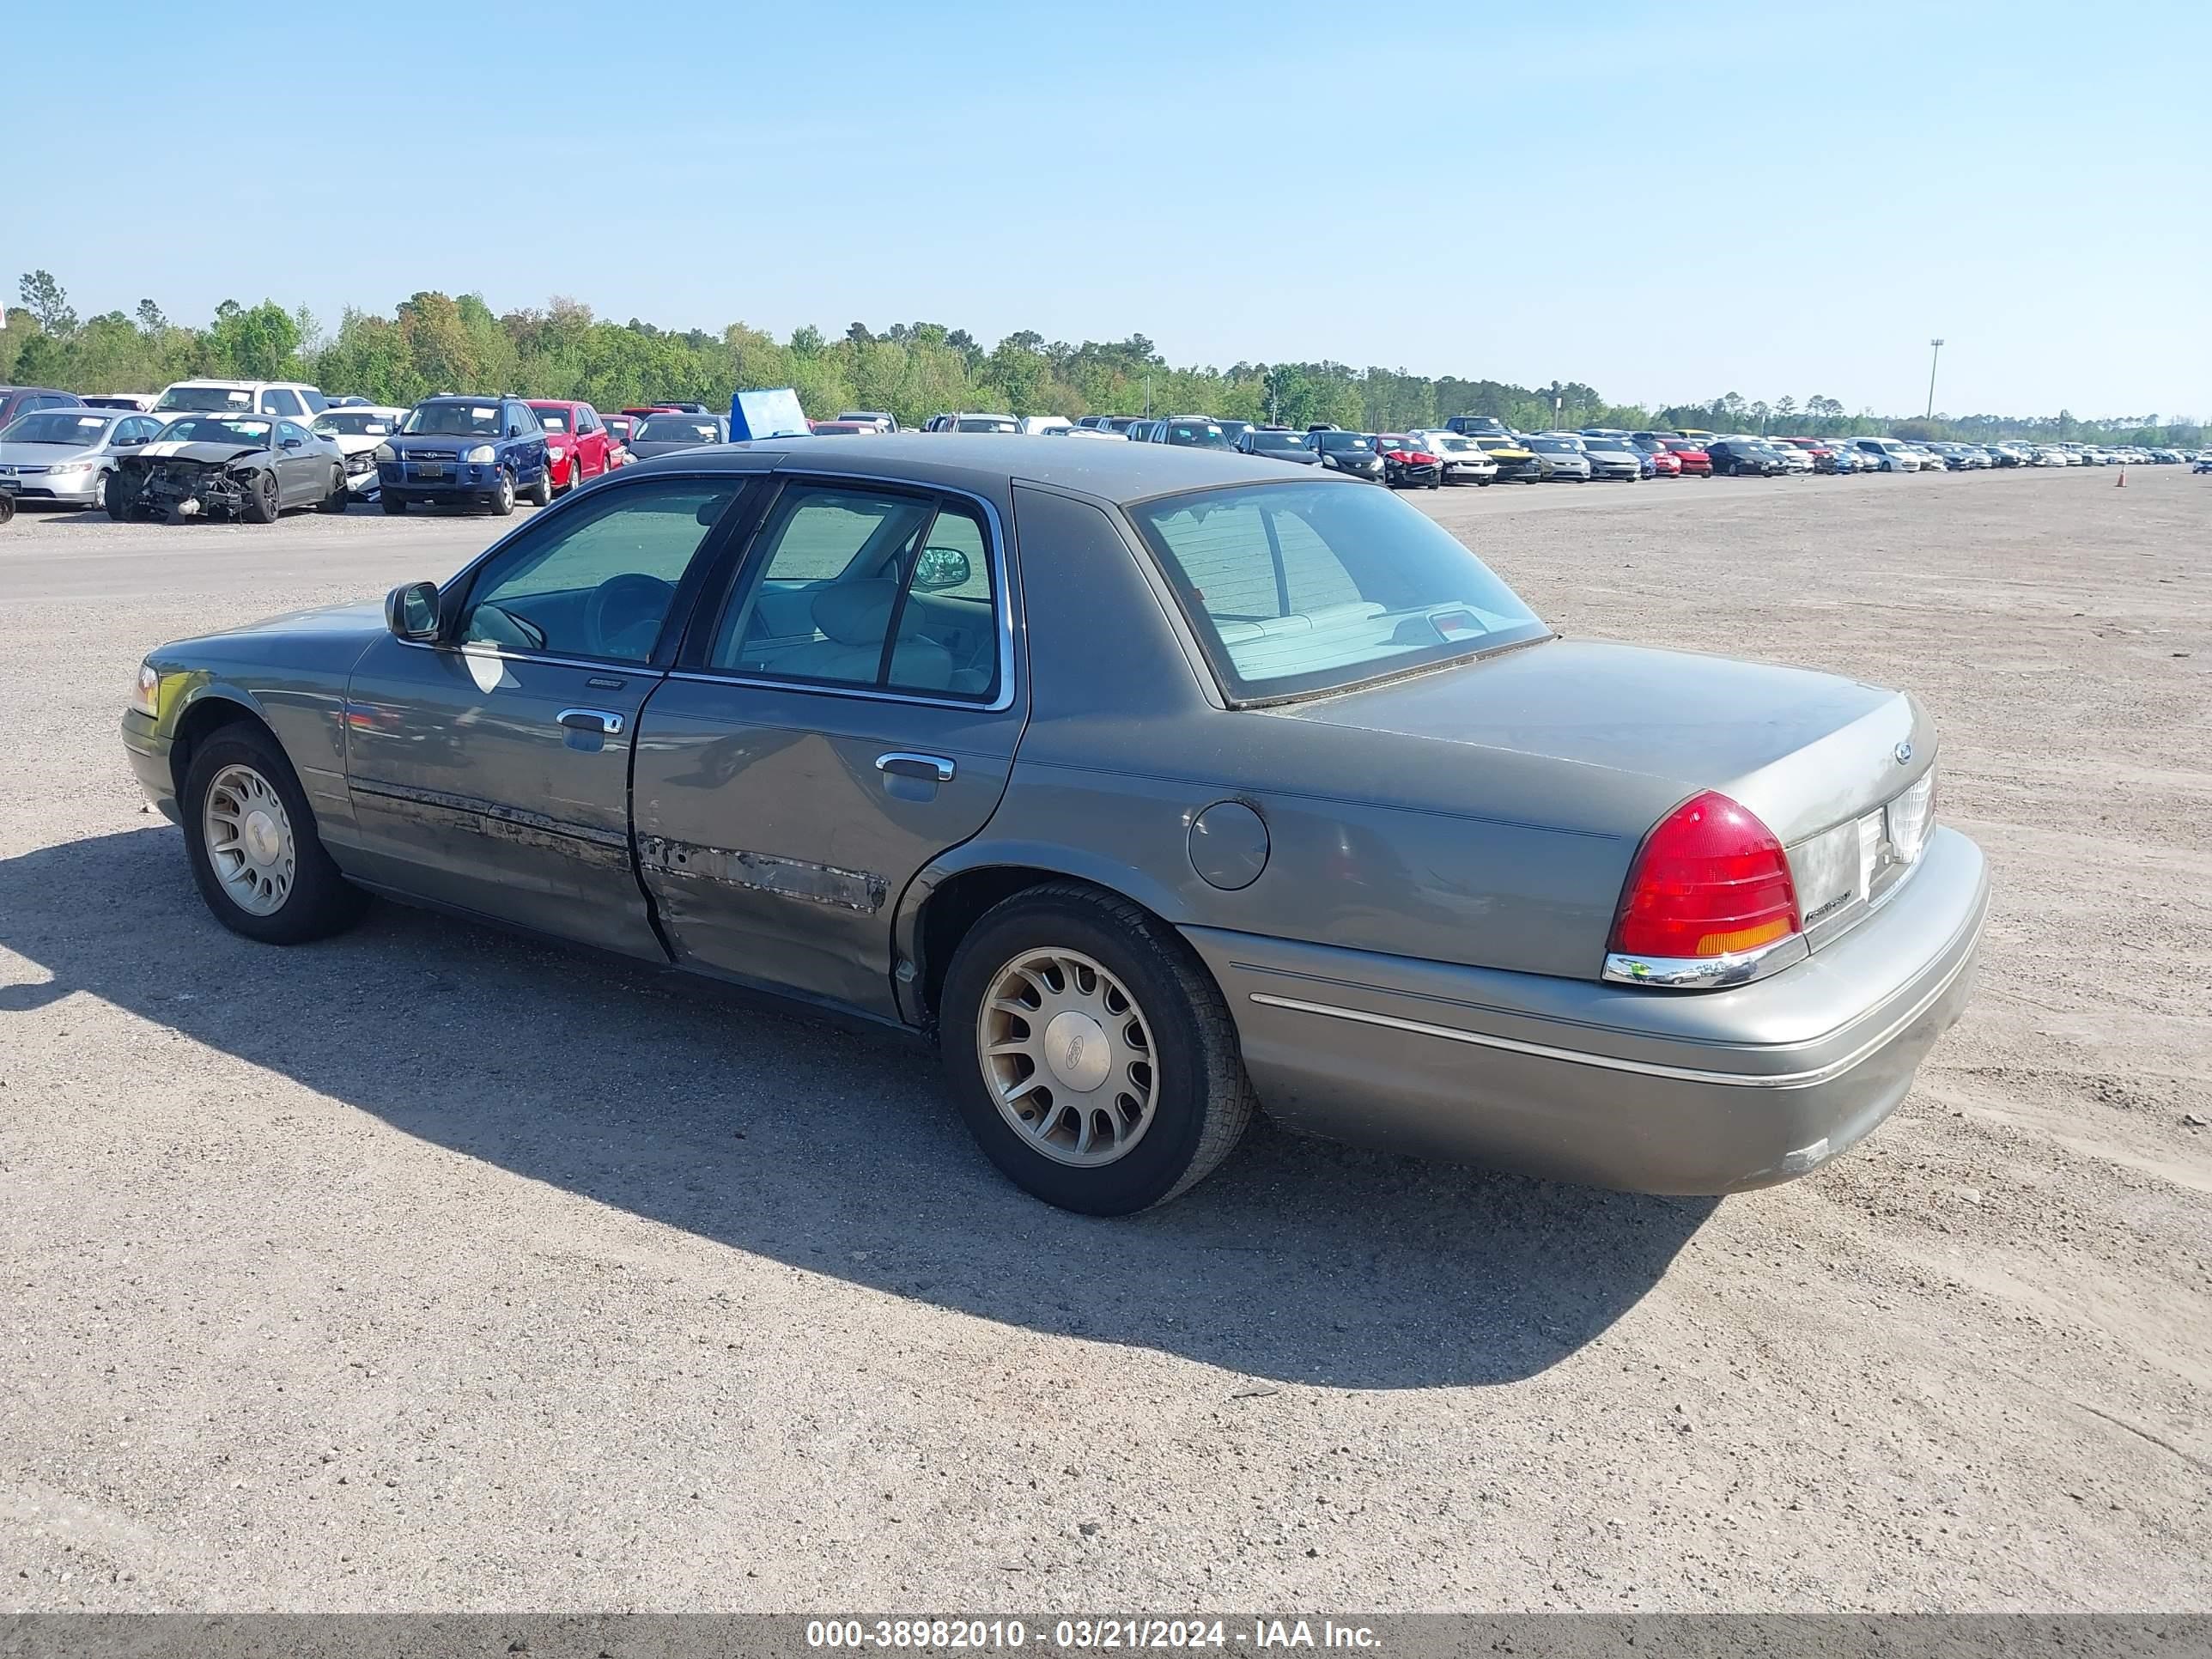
(1932,356)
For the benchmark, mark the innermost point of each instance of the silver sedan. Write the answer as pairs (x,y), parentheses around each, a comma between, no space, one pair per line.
(65,457)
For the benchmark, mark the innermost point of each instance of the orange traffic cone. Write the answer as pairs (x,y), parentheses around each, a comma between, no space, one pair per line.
(2122,484)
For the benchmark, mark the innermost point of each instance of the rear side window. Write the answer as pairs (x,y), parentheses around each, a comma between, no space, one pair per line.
(1304,587)
(277,401)
(859,588)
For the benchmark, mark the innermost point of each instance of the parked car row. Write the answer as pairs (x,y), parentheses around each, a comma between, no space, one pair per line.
(251,449)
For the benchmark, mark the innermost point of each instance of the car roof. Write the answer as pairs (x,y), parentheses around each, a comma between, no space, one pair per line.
(986,463)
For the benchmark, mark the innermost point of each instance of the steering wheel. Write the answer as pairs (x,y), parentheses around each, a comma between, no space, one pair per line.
(622,617)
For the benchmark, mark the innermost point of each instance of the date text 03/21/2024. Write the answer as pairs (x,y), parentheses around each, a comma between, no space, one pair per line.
(1085,1634)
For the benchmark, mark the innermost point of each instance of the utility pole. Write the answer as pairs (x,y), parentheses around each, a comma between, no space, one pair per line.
(1932,358)
(1148,392)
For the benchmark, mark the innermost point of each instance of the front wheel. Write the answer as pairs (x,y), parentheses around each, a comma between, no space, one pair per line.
(392,501)
(1089,1052)
(262,501)
(502,503)
(250,835)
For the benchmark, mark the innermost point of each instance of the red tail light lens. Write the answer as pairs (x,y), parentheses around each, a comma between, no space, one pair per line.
(1711,880)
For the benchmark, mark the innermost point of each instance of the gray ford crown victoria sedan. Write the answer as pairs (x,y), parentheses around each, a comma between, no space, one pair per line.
(1158,785)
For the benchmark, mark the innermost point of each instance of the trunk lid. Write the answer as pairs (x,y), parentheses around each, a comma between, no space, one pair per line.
(1805,750)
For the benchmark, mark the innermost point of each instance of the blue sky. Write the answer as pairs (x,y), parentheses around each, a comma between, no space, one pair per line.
(1667,202)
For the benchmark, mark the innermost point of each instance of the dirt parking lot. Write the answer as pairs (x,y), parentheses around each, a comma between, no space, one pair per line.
(428,1268)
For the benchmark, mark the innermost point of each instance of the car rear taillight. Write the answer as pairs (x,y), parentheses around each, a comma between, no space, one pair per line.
(1711,881)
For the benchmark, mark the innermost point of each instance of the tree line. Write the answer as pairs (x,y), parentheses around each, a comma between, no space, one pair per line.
(436,343)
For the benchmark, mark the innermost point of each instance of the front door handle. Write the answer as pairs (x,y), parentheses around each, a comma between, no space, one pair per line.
(602,720)
(900,763)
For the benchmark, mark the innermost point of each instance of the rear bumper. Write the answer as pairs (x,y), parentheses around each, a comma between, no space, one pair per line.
(1613,1085)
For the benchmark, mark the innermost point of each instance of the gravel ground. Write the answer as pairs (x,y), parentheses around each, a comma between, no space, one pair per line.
(428,1268)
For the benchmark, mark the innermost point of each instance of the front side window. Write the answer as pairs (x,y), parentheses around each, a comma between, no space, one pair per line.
(289,432)
(277,401)
(856,587)
(1298,588)
(601,580)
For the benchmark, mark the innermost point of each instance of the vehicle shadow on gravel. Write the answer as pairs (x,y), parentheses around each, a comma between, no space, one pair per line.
(834,1151)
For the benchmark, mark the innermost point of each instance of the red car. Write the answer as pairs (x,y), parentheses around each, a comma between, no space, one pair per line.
(1666,464)
(1695,463)
(578,445)
(620,428)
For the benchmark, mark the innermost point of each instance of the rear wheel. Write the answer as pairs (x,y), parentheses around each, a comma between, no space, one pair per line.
(1089,1052)
(251,838)
(336,501)
(542,491)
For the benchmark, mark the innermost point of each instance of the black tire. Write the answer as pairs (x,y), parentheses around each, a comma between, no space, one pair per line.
(7,506)
(118,502)
(502,502)
(1483,484)
(263,500)
(391,503)
(100,488)
(337,499)
(321,901)
(541,493)
(1205,1099)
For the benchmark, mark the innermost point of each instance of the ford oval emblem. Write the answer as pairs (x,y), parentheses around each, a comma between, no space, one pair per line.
(1904,753)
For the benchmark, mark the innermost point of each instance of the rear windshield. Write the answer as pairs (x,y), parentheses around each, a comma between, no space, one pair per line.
(983,423)
(1299,588)
(205,397)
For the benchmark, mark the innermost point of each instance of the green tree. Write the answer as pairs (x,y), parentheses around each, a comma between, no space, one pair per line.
(43,298)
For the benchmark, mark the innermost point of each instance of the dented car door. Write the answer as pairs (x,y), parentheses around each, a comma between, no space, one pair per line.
(490,769)
(849,710)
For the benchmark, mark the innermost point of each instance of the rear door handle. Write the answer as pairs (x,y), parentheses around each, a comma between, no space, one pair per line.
(592,719)
(900,764)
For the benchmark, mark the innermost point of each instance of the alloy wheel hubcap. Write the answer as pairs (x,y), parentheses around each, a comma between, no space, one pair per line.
(1069,1057)
(249,840)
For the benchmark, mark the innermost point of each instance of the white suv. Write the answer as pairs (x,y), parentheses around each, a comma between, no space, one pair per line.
(290,400)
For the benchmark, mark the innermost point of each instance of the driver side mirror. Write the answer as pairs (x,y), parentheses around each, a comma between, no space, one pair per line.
(291,443)
(410,611)
(940,567)
(515,432)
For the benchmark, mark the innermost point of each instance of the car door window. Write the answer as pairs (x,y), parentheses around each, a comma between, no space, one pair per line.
(277,401)
(289,432)
(599,580)
(857,588)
